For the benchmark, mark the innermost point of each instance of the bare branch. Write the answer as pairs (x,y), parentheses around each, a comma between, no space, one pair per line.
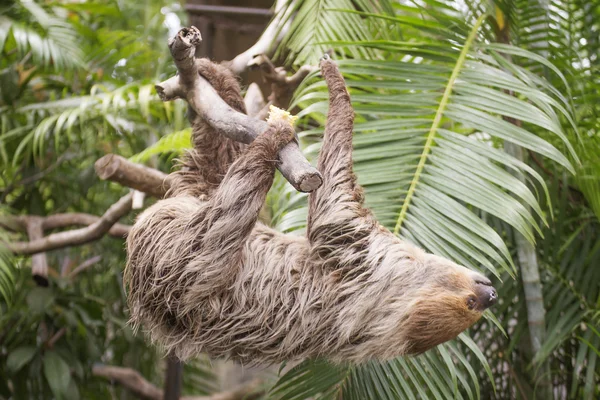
(136,176)
(84,265)
(19,223)
(76,236)
(130,380)
(254,101)
(265,44)
(136,383)
(39,262)
(206,102)
(56,337)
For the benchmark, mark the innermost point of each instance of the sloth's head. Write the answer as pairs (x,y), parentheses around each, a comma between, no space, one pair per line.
(449,300)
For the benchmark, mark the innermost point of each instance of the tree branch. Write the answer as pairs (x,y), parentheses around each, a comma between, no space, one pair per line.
(206,102)
(254,101)
(19,223)
(39,262)
(265,44)
(136,383)
(84,265)
(130,380)
(76,236)
(136,176)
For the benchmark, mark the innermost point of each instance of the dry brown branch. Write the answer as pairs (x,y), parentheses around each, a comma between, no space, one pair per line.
(19,223)
(76,236)
(136,176)
(137,384)
(205,101)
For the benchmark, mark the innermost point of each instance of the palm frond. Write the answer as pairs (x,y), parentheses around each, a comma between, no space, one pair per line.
(317,24)
(123,110)
(174,142)
(51,40)
(7,274)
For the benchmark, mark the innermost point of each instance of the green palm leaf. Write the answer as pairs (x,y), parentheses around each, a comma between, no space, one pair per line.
(51,40)
(125,110)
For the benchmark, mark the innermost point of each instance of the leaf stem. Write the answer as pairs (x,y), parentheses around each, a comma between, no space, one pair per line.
(436,122)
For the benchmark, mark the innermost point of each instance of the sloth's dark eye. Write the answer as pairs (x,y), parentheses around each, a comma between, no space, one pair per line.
(471,302)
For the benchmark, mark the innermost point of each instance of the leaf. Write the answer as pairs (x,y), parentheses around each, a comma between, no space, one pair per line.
(39,299)
(57,374)
(20,357)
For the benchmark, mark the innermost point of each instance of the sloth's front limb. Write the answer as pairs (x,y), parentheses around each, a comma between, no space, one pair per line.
(224,225)
(334,208)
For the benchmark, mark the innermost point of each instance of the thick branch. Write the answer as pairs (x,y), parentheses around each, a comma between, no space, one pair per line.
(206,102)
(135,382)
(19,223)
(136,176)
(76,236)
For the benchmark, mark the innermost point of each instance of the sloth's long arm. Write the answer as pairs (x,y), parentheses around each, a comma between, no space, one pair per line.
(224,226)
(334,207)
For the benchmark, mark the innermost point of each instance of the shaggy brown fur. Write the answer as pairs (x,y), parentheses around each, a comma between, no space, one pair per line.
(207,277)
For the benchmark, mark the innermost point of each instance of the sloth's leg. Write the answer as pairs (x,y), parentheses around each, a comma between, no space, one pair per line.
(334,208)
(224,225)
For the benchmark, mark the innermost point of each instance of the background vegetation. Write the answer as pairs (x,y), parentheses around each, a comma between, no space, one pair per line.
(477,137)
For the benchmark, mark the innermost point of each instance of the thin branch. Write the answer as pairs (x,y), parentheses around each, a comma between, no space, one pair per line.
(206,102)
(39,262)
(136,176)
(84,265)
(137,384)
(56,337)
(265,44)
(76,236)
(19,223)
(130,380)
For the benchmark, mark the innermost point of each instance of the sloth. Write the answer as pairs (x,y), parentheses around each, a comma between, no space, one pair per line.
(204,276)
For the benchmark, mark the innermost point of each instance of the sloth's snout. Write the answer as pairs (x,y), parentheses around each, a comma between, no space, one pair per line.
(486,294)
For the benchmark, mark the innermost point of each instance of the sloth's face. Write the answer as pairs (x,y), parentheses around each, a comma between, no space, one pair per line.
(452,299)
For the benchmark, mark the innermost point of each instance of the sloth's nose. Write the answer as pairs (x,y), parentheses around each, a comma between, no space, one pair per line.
(486,294)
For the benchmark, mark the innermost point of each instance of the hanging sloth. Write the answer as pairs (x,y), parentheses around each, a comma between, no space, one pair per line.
(204,276)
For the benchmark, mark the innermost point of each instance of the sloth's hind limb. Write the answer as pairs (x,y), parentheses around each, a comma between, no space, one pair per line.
(337,219)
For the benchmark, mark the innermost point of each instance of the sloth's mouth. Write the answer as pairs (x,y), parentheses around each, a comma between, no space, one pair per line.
(486,295)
